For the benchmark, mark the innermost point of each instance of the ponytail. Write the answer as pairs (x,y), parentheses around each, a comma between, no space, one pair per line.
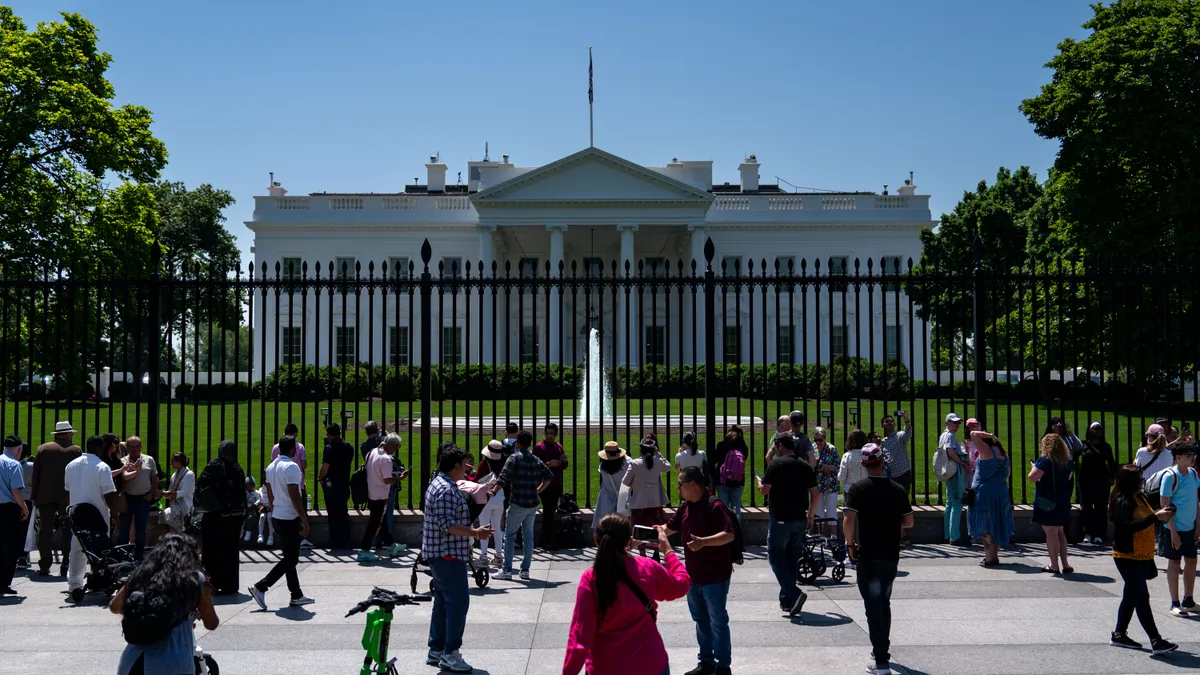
(612,538)
(647,448)
(689,442)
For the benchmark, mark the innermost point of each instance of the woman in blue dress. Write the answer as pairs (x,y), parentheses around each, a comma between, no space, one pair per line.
(1052,472)
(991,516)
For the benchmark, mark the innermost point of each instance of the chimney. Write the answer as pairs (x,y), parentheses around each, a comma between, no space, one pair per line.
(437,175)
(749,169)
(909,188)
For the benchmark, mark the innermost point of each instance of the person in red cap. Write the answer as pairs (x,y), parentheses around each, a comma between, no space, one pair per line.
(877,511)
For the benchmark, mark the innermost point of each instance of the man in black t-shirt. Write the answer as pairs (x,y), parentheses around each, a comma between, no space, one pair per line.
(877,512)
(334,478)
(374,439)
(793,484)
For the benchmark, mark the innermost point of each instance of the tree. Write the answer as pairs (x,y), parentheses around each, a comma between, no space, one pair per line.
(219,350)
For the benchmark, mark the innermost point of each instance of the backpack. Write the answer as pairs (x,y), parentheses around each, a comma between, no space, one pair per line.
(733,468)
(358,487)
(219,489)
(737,546)
(147,619)
(943,468)
(1153,487)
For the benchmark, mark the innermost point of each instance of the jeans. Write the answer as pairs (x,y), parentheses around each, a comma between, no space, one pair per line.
(952,518)
(12,542)
(785,545)
(377,507)
(336,498)
(707,605)
(519,518)
(549,498)
(389,523)
(731,497)
(450,604)
(287,535)
(875,579)
(48,515)
(1135,596)
(137,513)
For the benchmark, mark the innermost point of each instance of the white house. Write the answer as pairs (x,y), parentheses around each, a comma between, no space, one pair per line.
(584,211)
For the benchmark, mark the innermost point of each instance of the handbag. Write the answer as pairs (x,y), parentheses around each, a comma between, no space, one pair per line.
(1151,570)
(1042,502)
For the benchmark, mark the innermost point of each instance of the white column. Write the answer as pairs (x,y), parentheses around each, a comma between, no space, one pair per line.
(486,256)
(556,258)
(630,326)
(696,321)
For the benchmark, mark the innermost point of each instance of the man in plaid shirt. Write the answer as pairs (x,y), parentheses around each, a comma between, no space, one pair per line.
(895,455)
(446,538)
(523,477)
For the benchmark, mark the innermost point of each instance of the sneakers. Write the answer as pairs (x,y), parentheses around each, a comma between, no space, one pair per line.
(1189,604)
(799,604)
(304,543)
(503,576)
(246,537)
(1123,641)
(258,597)
(271,540)
(1161,646)
(259,542)
(1176,610)
(396,550)
(702,668)
(453,662)
(367,556)
(879,668)
(524,575)
(433,658)
(301,601)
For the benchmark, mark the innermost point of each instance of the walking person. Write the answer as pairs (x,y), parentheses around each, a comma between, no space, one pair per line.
(1133,520)
(1177,541)
(613,627)
(50,495)
(334,477)
(731,450)
(380,478)
(523,477)
(88,480)
(1097,467)
(179,495)
(446,539)
(792,509)
(491,463)
(647,495)
(289,522)
(990,518)
(140,488)
(221,493)
(957,483)
(705,526)
(1052,472)
(301,458)
(828,466)
(613,464)
(550,451)
(14,512)
(877,513)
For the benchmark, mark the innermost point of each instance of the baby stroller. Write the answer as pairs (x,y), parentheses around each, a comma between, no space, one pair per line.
(109,566)
(569,530)
(820,552)
(477,569)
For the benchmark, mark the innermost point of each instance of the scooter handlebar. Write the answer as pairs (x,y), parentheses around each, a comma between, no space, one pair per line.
(381,597)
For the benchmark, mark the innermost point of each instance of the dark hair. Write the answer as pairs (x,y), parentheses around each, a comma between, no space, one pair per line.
(611,466)
(95,445)
(886,418)
(551,426)
(291,429)
(612,536)
(171,570)
(646,450)
(694,474)
(511,428)
(181,458)
(856,439)
(1183,448)
(1127,484)
(689,442)
(797,418)
(371,428)
(1054,421)
(786,440)
(333,430)
(734,432)
(111,440)
(449,458)
(287,446)
(524,439)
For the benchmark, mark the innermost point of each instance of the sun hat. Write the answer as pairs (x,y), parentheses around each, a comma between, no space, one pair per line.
(63,428)
(612,451)
(871,454)
(493,450)
(953,417)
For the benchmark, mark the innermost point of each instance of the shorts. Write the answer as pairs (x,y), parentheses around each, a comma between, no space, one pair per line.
(1187,544)
(827,505)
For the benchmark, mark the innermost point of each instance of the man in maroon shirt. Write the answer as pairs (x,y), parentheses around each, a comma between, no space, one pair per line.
(706,531)
(550,451)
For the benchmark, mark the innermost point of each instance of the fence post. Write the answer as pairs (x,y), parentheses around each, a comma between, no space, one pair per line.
(710,346)
(426,368)
(154,320)
(977,293)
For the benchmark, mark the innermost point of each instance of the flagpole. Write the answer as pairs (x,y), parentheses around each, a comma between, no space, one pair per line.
(591,116)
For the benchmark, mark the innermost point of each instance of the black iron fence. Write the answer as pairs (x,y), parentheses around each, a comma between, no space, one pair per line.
(186,358)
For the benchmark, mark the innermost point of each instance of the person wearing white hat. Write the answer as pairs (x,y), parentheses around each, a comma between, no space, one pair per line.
(50,496)
(490,464)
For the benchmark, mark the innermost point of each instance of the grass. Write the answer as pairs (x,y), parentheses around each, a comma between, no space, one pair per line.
(196,429)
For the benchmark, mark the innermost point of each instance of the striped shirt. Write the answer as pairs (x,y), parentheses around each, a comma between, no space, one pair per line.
(444,506)
(895,453)
(521,476)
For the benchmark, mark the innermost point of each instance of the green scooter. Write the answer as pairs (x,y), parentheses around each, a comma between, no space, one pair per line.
(379,628)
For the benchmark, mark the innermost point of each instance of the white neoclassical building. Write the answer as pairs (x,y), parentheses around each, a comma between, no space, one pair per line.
(584,211)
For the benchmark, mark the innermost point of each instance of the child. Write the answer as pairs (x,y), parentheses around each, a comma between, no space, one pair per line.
(256,503)
(252,503)
(1178,540)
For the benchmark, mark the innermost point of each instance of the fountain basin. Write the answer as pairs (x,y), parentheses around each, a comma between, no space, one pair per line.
(606,426)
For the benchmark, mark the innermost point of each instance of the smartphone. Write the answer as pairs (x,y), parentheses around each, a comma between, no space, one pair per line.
(643,533)
(1171,507)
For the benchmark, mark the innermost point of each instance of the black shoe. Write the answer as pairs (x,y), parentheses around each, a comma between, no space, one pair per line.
(722,670)
(43,573)
(1161,646)
(702,669)
(8,591)
(62,571)
(797,606)
(1188,603)
(1122,640)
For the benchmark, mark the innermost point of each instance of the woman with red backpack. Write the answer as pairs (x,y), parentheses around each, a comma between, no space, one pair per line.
(727,468)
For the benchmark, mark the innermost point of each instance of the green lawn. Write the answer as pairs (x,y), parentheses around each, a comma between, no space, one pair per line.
(197,429)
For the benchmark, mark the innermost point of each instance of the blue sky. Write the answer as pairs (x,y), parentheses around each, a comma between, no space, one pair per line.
(355,96)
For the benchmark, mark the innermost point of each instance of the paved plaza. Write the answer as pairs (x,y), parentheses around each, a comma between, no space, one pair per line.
(950,616)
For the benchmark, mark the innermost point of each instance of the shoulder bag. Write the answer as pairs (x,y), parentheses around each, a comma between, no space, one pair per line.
(637,592)
(1043,502)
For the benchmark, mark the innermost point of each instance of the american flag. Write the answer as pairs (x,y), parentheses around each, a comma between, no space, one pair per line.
(589,76)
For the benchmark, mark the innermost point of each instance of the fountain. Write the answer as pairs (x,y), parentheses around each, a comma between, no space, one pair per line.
(595,395)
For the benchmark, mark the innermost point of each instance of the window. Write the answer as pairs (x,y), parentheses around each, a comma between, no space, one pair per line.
(733,344)
(451,345)
(452,267)
(837,341)
(292,269)
(593,267)
(291,348)
(655,267)
(785,346)
(398,345)
(837,266)
(656,346)
(890,266)
(528,268)
(891,343)
(785,266)
(731,265)
(344,268)
(529,345)
(345,345)
(397,268)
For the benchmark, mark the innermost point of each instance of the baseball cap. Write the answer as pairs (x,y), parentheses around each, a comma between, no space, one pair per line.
(1154,430)
(11,442)
(971,421)
(871,454)
(953,417)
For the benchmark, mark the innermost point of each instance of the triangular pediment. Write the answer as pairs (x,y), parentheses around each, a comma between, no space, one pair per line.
(594,176)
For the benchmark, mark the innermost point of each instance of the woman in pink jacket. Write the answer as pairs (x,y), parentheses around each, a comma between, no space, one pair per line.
(613,628)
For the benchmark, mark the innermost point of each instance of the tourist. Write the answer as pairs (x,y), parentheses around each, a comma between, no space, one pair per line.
(50,495)
(783,425)
(1097,468)
(1178,492)
(1058,425)
(690,453)
(446,539)
(1052,472)
(257,513)
(14,512)
(220,492)
(289,522)
(140,488)
(794,485)
(897,462)
(990,518)
(180,491)
(728,486)
(955,485)
(647,495)
(301,458)
(804,448)
(253,504)
(374,439)
(380,478)
(613,627)
(877,513)
(1153,457)
(334,477)
(522,478)
(827,466)
(510,439)
(491,463)
(705,527)
(26,462)
(389,511)
(1133,519)
(851,469)
(613,465)
(88,480)
(550,451)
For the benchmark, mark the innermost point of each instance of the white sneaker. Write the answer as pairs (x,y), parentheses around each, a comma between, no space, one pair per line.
(453,662)
(301,601)
(258,597)
(524,575)
(873,669)
(503,576)
(1176,610)
(260,541)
